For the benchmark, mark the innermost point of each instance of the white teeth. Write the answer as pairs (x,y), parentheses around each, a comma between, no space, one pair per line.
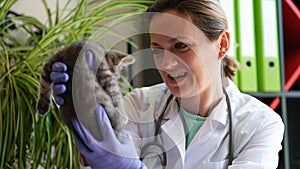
(178,75)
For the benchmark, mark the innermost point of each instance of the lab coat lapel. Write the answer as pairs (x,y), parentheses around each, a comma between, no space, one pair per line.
(173,131)
(218,116)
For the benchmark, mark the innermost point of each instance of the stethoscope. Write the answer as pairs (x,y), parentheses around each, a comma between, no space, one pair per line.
(163,155)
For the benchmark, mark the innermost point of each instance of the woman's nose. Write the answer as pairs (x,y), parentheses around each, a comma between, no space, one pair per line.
(169,60)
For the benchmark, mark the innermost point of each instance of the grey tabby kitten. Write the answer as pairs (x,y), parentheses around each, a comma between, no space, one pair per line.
(88,86)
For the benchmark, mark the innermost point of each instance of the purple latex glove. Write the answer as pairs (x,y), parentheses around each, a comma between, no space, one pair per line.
(109,153)
(59,77)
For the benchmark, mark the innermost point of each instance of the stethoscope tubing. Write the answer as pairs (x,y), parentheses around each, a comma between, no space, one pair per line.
(231,145)
(157,131)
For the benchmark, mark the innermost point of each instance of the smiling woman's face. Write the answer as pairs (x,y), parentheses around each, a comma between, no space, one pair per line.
(186,60)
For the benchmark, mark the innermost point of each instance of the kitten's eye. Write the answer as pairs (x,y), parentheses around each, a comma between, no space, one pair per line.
(181,46)
(157,51)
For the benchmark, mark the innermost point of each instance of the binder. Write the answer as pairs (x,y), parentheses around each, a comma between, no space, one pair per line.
(245,33)
(267,45)
(228,7)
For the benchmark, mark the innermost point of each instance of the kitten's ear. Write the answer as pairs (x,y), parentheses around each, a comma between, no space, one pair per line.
(116,58)
(126,60)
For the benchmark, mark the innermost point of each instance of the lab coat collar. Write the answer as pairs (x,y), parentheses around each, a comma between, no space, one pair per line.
(172,110)
(173,127)
(220,112)
(172,107)
(174,130)
(217,117)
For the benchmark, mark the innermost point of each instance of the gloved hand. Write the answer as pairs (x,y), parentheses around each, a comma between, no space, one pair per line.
(109,153)
(59,77)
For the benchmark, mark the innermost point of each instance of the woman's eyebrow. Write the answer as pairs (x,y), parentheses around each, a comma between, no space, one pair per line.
(154,44)
(172,40)
(179,38)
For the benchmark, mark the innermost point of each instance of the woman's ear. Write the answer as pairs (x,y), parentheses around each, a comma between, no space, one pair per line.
(224,43)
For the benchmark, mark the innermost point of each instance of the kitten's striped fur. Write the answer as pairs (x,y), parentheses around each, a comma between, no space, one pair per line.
(87,86)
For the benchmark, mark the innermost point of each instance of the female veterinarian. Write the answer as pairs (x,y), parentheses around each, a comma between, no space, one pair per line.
(197,118)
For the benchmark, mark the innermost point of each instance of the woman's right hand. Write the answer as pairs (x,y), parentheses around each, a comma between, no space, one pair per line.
(59,77)
(109,153)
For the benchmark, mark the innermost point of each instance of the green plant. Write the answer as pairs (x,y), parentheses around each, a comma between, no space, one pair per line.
(26,139)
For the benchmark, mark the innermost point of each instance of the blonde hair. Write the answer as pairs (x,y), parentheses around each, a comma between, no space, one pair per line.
(208,16)
(231,66)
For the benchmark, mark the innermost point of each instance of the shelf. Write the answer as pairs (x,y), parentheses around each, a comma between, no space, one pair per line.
(276,101)
(279,94)
(291,38)
(290,24)
(290,98)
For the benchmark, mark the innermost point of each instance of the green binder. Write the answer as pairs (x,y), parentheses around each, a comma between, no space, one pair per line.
(245,33)
(267,45)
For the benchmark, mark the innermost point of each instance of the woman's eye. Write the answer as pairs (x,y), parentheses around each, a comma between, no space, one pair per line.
(157,51)
(181,46)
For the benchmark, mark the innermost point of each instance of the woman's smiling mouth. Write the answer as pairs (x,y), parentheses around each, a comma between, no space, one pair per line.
(176,78)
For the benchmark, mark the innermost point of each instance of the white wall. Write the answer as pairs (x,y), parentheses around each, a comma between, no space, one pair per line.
(36,8)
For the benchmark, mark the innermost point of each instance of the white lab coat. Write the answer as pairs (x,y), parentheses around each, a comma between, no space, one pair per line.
(258,131)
